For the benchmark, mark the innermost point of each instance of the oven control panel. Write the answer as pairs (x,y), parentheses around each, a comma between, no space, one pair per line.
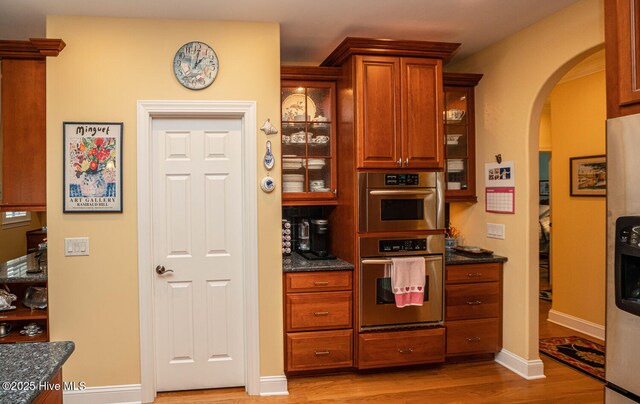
(404,245)
(402,179)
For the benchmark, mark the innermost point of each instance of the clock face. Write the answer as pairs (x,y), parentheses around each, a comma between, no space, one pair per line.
(195,65)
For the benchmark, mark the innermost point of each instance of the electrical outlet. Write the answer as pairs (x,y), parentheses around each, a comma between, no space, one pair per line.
(495,231)
(76,246)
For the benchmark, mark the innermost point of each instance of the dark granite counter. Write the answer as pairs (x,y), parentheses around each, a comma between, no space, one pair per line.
(19,270)
(27,367)
(456,258)
(297,263)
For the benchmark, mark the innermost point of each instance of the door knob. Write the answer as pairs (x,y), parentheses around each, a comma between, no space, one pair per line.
(161,270)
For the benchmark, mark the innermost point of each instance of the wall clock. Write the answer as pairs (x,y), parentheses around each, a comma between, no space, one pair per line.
(195,65)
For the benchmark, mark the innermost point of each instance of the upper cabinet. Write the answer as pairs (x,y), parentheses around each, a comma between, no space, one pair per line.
(24,122)
(390,103)
(399,101)
(459,136)
(622,41)
(308,97)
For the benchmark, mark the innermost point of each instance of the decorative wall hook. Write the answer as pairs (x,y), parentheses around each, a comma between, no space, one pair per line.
(499,158)
(268,128)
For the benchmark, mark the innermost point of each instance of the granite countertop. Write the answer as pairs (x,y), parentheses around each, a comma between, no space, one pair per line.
(15,270)
(297,263)
(456,258)
(28,366)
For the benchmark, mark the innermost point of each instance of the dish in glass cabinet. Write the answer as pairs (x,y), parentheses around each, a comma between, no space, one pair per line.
(293,108)
(8,308)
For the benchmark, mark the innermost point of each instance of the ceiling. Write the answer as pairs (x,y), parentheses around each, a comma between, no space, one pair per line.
(310,29)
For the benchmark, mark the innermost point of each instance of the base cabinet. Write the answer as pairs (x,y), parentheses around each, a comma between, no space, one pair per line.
(318,320)
(319,350)
(385,349)
(473,308)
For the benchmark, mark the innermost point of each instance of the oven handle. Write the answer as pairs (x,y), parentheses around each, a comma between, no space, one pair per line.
(399,192)
(388,261)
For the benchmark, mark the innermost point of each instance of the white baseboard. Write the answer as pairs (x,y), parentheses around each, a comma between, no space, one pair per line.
(132,393)
(273,386)
(577,324)
(129,393)
(529,369)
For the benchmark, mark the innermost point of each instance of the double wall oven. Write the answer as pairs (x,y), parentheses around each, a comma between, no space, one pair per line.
(400,214)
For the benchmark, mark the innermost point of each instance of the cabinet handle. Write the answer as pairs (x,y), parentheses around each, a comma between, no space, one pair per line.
(474,302)
(320,353)
(477,274)
(473,339)
(405,351)
(320,313)
(335,192)
(318,283)
(406,162)
(399,162)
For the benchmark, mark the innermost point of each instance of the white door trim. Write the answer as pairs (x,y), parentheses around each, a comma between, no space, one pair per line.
(147,111)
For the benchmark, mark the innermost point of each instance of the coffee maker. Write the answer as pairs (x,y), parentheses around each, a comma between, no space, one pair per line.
(318,241)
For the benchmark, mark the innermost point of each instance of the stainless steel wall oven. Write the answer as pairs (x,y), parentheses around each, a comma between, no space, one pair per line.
(377,304)
(400,201)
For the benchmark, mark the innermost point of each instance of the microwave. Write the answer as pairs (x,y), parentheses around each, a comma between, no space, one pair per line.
(394,202)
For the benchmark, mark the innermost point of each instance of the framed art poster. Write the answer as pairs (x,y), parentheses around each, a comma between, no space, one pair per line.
(92,167)
(588,175)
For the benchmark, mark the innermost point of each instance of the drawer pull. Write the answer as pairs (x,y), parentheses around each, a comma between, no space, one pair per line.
(320,353)
(317,283)
(477,274)
(405,351)
(474,339)
(320,313)
(474,302)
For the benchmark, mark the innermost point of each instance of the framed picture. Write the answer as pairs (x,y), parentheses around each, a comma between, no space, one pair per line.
(588,175)
(544,188)
(92,167)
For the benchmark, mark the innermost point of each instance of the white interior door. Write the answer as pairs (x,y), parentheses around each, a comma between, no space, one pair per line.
(198,234)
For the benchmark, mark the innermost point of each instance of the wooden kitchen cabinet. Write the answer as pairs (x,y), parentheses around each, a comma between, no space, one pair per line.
(399,103)
(460,136)
(318,323)
(399,348)
(308,97)
(622,49)
(23,114)
(473,308)
(22,315)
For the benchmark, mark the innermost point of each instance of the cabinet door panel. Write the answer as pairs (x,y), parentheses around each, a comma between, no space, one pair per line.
(422,104)
(378,97)
(23,134)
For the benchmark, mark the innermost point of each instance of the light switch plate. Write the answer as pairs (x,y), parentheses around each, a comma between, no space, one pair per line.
(76,246)
(495,231)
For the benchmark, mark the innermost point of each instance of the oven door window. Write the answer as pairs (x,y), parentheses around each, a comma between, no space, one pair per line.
(384,293)
(402,209)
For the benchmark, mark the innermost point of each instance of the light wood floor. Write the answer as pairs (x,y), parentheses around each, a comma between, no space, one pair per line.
(477,382)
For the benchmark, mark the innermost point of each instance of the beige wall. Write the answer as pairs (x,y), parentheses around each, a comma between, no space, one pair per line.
(545,128)
(578,113)
(13,241)
(107,66)
(519,74)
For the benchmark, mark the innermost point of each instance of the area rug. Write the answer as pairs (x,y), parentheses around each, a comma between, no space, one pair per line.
(579,353)
(545,295)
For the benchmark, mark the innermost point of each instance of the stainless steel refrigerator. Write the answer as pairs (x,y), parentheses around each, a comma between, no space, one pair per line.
(622,368)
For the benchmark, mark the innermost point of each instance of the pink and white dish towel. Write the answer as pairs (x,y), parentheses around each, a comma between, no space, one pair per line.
(407,280)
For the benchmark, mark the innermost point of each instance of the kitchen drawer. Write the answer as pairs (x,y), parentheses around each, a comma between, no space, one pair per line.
(319,350)
(382,349)
(317,281)
(474,300)
(472,273)
(317,311)
(473,336)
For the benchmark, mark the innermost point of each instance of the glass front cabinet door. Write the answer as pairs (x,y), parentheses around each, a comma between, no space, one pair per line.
(460,148)
(308,143)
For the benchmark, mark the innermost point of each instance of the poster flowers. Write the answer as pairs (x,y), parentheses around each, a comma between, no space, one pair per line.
(93,167)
